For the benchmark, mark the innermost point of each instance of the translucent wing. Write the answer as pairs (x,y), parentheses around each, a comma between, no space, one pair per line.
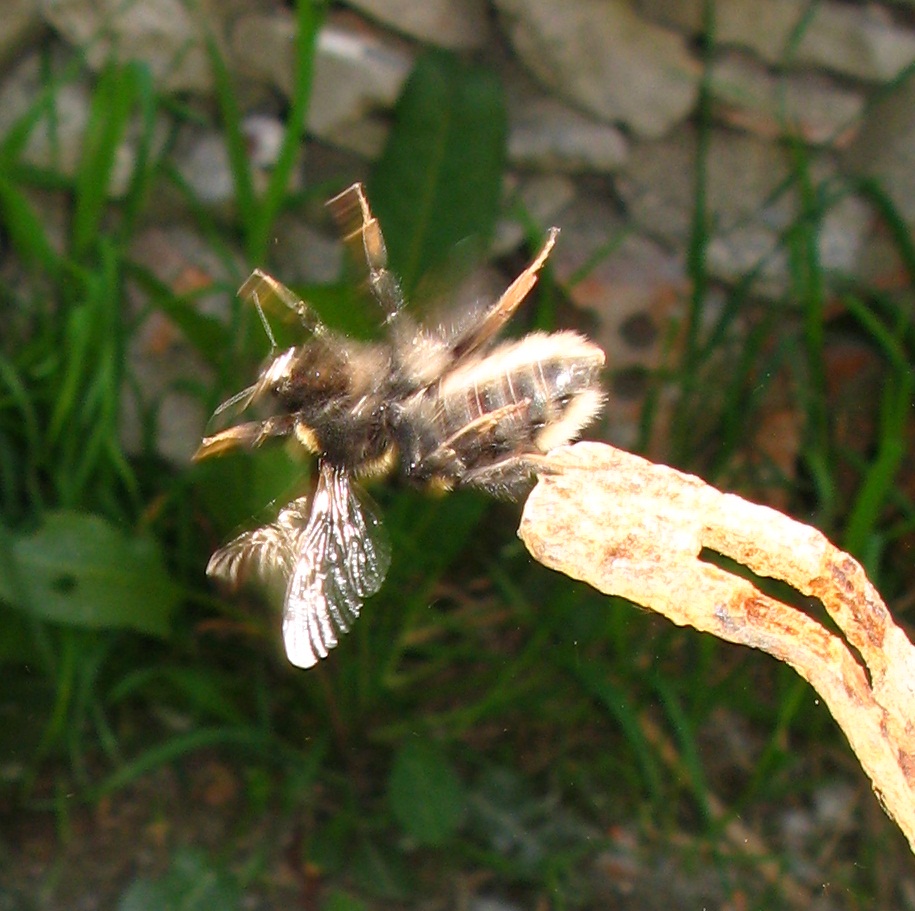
(328,553)
(342,559)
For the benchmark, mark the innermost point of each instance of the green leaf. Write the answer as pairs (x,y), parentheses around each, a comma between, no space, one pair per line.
(425,793)
(439,178)
(79,570)
(308,15)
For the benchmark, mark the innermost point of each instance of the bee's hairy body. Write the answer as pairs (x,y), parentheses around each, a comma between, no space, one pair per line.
(451,407)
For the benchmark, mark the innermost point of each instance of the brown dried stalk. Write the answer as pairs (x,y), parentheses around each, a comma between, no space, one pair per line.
(635,529)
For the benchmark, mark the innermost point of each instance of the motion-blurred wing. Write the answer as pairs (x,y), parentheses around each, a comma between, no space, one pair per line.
(270,553)
(342,558)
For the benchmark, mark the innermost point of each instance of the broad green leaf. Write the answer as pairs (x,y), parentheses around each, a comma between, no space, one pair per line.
(439,178)
(425,793)
(79,570)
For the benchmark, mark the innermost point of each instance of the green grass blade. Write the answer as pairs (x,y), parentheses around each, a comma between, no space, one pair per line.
(109,115)
(260,230)
(146,103)
(689,751)
(895,413)
(25,230)
(236,144)
(597,682)
(900,231)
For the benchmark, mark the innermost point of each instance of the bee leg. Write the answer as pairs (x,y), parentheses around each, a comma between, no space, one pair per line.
(353,215)
(503,309)
(484,426)
(449,459)
(249,435)
(509,477)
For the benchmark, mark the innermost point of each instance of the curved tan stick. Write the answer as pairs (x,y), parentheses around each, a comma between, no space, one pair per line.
(635,529)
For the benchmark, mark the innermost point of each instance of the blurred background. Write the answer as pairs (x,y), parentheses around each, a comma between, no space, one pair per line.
(734,186)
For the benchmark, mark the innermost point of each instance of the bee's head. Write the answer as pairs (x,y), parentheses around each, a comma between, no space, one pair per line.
(307,375)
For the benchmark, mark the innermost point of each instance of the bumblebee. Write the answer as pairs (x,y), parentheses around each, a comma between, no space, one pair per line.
(452,406)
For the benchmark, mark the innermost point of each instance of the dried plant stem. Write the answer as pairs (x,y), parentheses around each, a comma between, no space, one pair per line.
(635,529)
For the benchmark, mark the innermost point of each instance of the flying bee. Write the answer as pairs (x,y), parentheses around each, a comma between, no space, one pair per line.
(451,405)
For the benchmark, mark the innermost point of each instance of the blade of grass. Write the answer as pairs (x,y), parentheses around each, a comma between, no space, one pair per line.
(689,752)
(257,216)
(25,230)
(900,231)
(895,414)
(252,740)
(144,169)
(236,144)
(109,115)
(16,137)
(259,230)
(597,682)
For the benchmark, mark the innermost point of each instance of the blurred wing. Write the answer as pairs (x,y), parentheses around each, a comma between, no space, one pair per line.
(271,552)
(342,558)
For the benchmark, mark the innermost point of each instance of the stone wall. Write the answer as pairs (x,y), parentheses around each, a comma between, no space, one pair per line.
(604,98)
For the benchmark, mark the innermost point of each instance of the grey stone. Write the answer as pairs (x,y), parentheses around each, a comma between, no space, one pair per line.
(303,254)
(546,134)
(750,205)
(358,75)
(605,58)
(855,40)
(635,287)
(202,159)
(807,105)
(885,147)
(161,362)
(56,148)
(456,24)
(541,198)
(22,23)
(884,151)
(162,33)
(56,143)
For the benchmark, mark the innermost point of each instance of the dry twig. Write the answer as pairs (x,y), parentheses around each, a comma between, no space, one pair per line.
(635,529)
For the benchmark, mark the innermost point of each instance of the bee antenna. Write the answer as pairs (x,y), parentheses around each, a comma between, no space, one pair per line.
(245,394)
(264,323)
